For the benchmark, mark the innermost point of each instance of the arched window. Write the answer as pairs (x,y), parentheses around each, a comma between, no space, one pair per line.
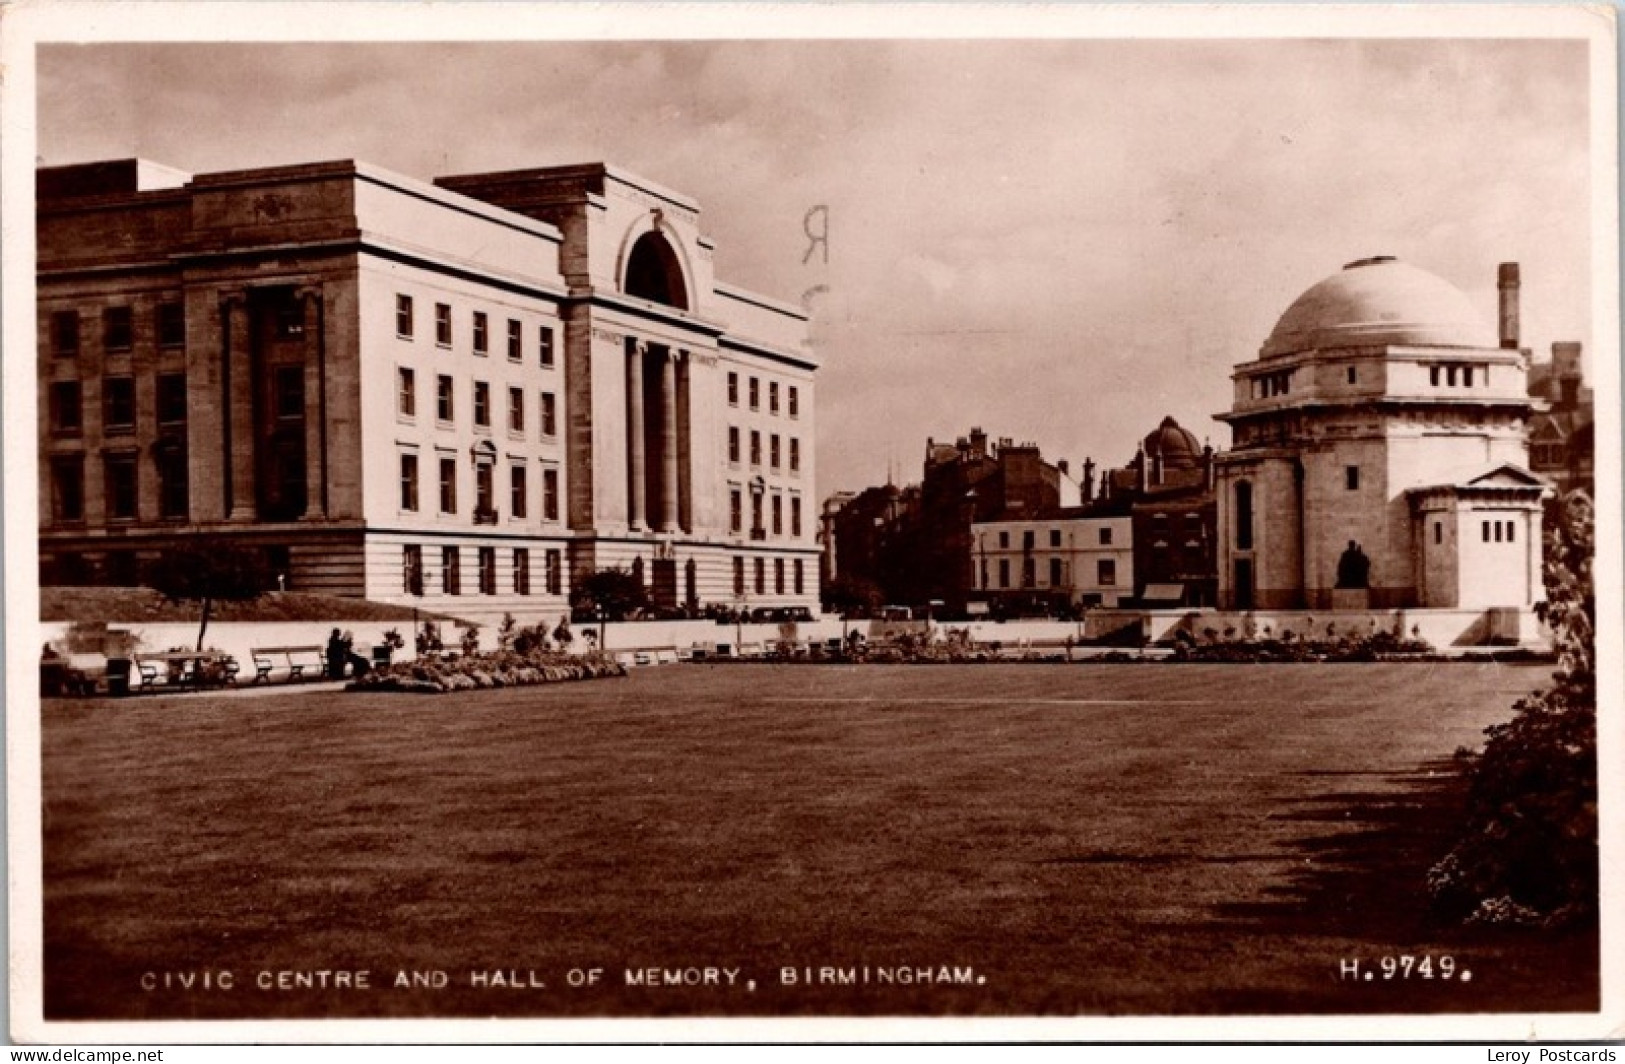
(1244,515)
(653,272)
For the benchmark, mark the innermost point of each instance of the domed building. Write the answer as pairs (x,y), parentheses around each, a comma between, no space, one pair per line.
(1380,453)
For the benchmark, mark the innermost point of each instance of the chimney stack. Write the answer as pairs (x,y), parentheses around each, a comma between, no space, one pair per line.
(1509,305)
(1088,480)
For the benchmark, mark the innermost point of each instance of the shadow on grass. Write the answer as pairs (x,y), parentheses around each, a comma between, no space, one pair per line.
(1365,883)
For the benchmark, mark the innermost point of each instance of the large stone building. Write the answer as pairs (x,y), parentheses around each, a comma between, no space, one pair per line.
(1380,455)
(466,394)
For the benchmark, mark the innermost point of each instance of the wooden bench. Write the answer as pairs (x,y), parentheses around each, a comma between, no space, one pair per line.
(294,656)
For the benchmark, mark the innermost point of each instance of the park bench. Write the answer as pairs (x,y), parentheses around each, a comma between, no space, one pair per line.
(298,660)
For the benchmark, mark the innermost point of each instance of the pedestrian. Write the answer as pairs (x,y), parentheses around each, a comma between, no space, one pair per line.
(338,651)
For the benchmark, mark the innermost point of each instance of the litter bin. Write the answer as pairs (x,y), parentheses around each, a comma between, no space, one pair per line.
(118,676)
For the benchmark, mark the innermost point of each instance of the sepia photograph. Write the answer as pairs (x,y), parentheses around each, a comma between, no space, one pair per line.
(767,520)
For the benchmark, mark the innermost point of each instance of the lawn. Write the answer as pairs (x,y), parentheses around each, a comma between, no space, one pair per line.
(1145,839)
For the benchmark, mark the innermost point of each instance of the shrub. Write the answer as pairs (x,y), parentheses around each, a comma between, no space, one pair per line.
(500,668)
(1527,852)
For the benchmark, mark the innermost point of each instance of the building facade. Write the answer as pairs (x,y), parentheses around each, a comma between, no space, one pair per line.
(1077,557)
(466,394)
(1380,453)
(1562,435)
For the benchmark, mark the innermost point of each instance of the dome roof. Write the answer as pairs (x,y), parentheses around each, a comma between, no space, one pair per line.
(1179,448)
(1379,301)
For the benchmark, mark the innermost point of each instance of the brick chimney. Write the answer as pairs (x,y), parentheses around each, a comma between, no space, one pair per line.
(1508,277)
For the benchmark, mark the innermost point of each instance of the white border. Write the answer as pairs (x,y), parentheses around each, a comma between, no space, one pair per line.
(26,23)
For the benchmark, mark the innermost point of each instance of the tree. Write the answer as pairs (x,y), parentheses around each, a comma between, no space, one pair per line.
(1528,851)
(615,592)
(852,596)
(208,570)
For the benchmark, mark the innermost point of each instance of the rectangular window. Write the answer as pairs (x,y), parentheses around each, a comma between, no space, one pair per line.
(66,417)
(733,400)
(733,444)
(488,570)
(550,415)
(1027,539)
(451,575)
(1450,376)
(761,576)
(1351,478)
(801,582)
(755,394)
(516,410)
(174,481)
(121,487)
(550,494)
(773,450)
(544,345)
(482,333)
(1498,531)
(485,509)
(1029,574)
(773,397)
(757,529)
(118,329)
(795,402)
(171,325)
(516,341)
(68,488)
(778,515)
(118,402)
(412,568)
(1055,572)
(448,485)
(1354,375)
(482,404)
(1055,537)
(409,483)
(442,324)
(1004,572)
(555,573)
(1105,537)
(1004,541)
(1512,532)
(1433,376)
(755,447)
(1467,376)
(521,570)
(408,389)
(1486,531)
(289,383)
(65,333)
(795,455)
(518,490)
(1106,572)
(290,321)
(403,316)
(739,575)
(795,515)
(736,511)
(1438,532)
(778,576)
(444,407)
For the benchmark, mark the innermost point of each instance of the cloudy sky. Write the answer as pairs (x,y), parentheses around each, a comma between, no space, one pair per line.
(1058,241)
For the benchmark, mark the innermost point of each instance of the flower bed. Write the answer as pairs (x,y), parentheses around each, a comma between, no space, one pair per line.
(473,672)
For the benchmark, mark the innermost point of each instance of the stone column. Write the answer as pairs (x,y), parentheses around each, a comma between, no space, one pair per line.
(637,471)
(315,404)
(668,442)
(237,376)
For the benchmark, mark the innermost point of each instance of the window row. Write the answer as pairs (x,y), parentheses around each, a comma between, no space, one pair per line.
(758,583)
(775,452)
(485,570)
(1269,385)
(121,485)
(445,409)
(479,328)
(1500,532)
(65,402)
(758,530)
(792,395)
(1455,375)
(1105,573)
(1029,538)
(117,329)
(485,509)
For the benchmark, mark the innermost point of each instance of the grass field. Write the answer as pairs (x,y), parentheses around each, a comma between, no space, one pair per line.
(1155,839)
